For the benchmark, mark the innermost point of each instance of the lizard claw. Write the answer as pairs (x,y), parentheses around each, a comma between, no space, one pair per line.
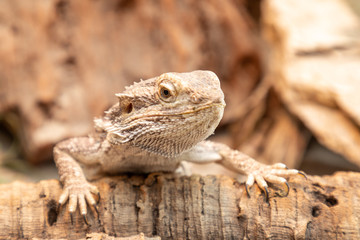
(85,220)
(302,174)
(287,189)
(273,174)
(247,190)
(266,192)
(249,182)
(98,198)
(71,218)
(96,209)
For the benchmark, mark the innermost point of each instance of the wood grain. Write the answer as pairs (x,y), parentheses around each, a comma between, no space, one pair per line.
(211,207)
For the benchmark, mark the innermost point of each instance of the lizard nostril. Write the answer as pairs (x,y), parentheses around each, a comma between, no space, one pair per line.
(195,98)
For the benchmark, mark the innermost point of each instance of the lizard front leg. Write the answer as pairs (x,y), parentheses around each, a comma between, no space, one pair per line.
(76,188)
(208,151)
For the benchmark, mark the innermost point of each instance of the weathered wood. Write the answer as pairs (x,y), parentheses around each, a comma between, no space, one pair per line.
(315,68)
(211,207)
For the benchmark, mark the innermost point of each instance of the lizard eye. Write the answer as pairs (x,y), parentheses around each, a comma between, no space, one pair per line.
(167,91)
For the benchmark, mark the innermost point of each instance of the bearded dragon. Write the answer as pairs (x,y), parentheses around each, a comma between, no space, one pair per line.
(157,124)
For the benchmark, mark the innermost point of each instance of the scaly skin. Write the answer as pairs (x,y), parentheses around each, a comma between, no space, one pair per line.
(157,124)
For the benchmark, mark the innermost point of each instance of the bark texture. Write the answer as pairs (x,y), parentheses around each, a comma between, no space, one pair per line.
(194,207)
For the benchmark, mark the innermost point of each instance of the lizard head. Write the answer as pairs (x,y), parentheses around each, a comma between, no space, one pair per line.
(169,114)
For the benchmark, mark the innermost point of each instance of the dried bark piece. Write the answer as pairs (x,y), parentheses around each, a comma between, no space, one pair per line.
(270,134)
(315,67)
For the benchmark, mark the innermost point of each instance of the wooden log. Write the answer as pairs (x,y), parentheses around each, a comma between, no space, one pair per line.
(196,207)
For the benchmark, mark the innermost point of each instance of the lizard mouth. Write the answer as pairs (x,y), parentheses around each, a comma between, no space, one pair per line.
(217,105)
(206,106)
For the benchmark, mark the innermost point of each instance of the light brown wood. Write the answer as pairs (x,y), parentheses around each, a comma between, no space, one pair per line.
(211,207)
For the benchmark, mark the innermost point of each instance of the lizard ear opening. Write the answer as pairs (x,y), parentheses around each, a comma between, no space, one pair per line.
(129,108)
(125,103)
(126,106)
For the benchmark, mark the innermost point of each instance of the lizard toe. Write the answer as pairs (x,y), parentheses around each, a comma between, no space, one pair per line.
(249,182)
(63,197)
(279,166)
(94,189)
(284,172)
(260,181)
(90,199)
(72,203)
(82,204)
(278,180)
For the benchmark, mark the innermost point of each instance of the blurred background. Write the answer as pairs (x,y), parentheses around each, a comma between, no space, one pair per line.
(290,71)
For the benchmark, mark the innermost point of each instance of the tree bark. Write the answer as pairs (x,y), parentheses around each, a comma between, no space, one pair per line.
(211,207)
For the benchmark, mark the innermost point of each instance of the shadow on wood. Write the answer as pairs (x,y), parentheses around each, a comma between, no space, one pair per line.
(211,207)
